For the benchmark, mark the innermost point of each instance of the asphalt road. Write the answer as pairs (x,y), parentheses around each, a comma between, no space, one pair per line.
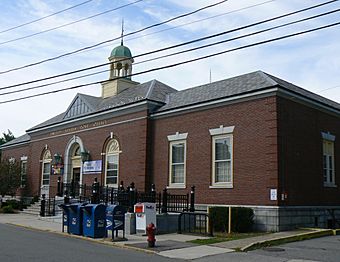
(325,249)
(20,244)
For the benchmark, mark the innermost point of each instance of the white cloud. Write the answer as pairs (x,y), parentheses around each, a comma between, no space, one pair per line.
(308,61)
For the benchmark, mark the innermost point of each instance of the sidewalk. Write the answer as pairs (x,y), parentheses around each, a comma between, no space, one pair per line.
(168,245)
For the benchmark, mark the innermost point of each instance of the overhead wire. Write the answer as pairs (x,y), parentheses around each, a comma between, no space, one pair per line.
(44,17)
(111,40)
(181,63)
(67,24)
(185,24)
(191,42)
(183,51)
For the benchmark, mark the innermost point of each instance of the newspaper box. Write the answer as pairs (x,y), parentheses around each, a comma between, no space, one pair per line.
(145,214)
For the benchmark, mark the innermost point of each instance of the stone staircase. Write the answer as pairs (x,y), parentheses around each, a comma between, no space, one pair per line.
(32,209)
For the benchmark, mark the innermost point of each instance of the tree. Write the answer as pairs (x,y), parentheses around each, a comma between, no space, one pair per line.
(9,176)
(6,137)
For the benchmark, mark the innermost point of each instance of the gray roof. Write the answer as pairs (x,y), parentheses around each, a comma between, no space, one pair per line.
(230,87)
(19,140)
(170,98)
(152,90)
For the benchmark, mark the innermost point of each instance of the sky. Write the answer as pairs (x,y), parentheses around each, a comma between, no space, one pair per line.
(310,61)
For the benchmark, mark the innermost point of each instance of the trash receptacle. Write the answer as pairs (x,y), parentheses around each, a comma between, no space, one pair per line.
(94,220)
(115,218)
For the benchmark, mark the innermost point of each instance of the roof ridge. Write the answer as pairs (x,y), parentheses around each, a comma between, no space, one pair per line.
(151,87)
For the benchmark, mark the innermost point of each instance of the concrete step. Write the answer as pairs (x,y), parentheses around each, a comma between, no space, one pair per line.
(30,212)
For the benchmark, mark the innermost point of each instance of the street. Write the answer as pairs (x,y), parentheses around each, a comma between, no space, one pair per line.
(21,244)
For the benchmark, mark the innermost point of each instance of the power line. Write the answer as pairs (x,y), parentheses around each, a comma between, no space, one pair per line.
(44,17)
(183,62)
(110,40)
(181,52)
(189,23)
(71,23)
(187,50)
(189,42)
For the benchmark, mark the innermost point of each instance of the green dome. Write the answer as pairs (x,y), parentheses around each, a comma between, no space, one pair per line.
(121,51)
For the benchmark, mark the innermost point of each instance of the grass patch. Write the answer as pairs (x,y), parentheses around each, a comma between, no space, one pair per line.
(223,237)
(288,240)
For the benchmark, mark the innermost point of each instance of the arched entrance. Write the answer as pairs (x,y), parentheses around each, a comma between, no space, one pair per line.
(73,162)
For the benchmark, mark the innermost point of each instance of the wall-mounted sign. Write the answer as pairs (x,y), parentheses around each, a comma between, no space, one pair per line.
(273,194)
(58,169)
(92,167)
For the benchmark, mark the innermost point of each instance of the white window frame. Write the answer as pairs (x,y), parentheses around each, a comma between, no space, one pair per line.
(221,133)
(173,139)
(328,153)
(171,184)
(112,150)
(22,163)
(46,160)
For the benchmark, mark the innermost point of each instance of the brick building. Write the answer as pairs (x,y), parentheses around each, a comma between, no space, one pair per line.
(253,140)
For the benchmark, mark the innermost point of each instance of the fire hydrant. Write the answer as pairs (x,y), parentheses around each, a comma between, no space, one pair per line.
(150,231)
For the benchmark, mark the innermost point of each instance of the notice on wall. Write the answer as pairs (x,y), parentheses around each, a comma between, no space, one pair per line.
(92,167)
(273,194)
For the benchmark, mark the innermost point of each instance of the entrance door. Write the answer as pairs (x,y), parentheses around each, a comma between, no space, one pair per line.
(76,180)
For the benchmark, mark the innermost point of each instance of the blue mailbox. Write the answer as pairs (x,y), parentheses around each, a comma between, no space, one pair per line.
(94,222)
(115,218)
(76,218)
(66,216)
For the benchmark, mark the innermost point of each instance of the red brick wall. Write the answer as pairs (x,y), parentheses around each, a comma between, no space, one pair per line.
(131,137)
(17,152)
(300,140)
(255,151)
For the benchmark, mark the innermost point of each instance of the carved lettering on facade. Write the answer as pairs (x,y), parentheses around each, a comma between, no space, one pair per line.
(78,128)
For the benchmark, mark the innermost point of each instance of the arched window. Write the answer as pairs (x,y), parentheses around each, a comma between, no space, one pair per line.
(46,168)
(119,68)
(112,163)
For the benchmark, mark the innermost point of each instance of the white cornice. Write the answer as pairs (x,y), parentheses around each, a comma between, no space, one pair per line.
(88,117)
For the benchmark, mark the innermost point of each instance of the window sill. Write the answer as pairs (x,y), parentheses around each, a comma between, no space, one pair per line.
(329,185)
(176,187)
(222,186)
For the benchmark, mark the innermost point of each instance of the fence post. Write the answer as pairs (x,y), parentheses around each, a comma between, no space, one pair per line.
(95,192)
(59,187)
(121,186)
(132,196)
(42,205)
(192,199)
(153,193)
(165,201)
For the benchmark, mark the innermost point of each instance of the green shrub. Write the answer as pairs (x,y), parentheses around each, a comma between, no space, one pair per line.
(13,203)
(219,216)
(8,209)
(242,219)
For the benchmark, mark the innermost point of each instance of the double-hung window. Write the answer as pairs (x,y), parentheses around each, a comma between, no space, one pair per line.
(112,163)
(328,159)
(46,170)
(177,160)
(222,157)
(23,171)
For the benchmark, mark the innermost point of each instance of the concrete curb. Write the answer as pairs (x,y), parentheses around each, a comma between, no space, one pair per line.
(297,237)
(98,240)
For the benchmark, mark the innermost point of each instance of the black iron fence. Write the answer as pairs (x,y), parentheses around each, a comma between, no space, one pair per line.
(165,201)
(195,223)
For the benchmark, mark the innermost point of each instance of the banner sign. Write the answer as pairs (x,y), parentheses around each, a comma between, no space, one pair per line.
(58,169)
(92,167)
